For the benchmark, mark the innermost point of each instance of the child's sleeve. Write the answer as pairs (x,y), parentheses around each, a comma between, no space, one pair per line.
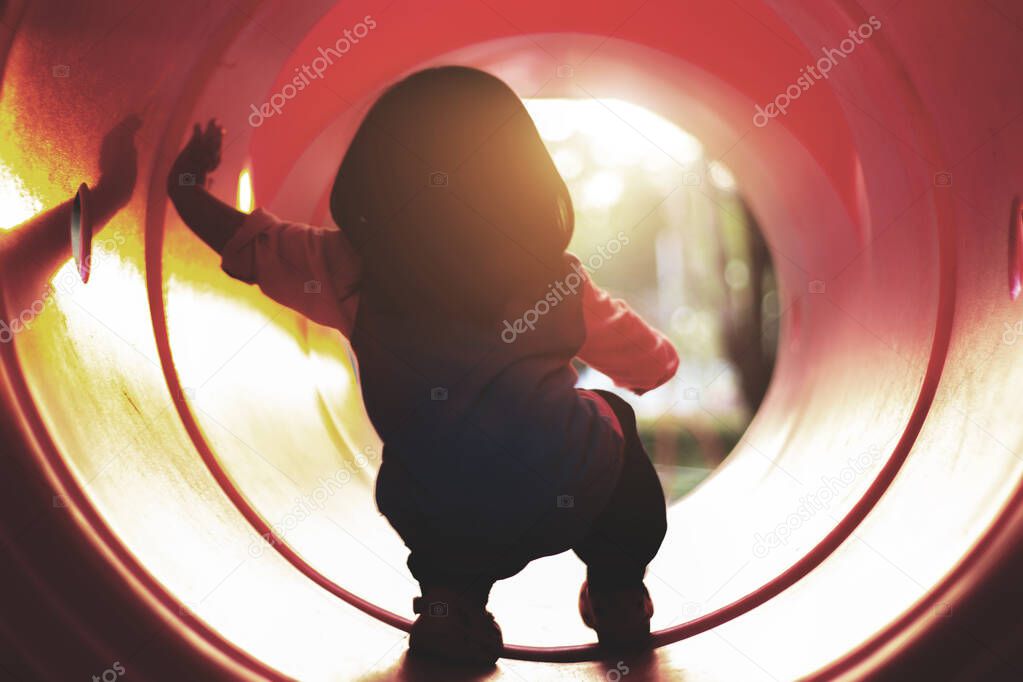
(312,270)
(622,345)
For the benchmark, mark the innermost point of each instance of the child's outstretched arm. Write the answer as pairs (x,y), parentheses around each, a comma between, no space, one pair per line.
(621,344)
(312,270)
(210,219)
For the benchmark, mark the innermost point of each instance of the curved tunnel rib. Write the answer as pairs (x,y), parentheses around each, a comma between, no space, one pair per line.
(674,633)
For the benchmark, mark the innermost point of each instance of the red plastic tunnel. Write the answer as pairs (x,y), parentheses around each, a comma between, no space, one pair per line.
(187,470)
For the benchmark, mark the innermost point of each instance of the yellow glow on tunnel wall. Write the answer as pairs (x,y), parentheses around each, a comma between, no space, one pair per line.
(246,197)
(17,204)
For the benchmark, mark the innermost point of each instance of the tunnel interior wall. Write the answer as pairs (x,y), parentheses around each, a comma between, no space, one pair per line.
(892,183)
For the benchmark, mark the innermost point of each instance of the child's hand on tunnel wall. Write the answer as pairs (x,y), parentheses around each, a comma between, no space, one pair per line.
(211,219)
(200,156)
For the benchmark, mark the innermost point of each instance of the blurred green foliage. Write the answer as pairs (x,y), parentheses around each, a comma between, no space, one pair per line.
(687,254)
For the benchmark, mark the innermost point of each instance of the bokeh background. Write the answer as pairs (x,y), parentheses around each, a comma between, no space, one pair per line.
(690,258)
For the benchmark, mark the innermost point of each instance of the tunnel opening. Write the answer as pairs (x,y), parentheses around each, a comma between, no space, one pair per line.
(299,172)
(665,227)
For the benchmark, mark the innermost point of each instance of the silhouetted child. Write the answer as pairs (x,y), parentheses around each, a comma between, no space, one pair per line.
(449,277)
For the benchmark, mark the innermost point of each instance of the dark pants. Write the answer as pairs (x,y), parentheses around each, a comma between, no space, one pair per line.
(616,548)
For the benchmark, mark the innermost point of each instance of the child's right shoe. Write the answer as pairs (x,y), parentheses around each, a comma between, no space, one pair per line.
(621,617)
(453,627)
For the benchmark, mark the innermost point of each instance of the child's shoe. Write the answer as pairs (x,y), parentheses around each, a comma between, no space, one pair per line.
(454,627)
(621,617)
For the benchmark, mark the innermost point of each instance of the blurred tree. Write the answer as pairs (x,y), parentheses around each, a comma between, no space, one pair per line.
(688,255)
(748,334)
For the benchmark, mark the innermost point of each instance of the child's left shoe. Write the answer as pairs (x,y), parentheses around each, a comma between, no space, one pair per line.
(621,617)
(453,627)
